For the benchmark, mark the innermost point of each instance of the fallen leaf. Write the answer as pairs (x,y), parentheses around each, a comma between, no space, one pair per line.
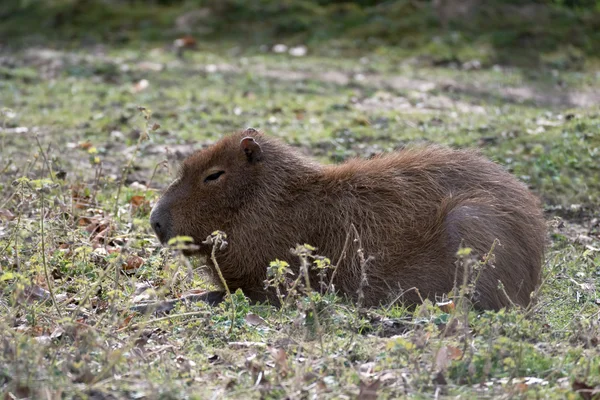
(255,320)
(442,360)
(80,196)
(133,262)
(85,145)
(6,214)
(521,387)
(57,333)
(185,42)
(280,357)
(137,201)
(368,391)
(37,293)
(141,85)
(150,66)
(45,340)
(445,355)
(454,352)
(586,391)
(126,321)
(439,379)
(246,345)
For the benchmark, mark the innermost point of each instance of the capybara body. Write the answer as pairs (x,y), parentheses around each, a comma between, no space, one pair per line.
(409,211)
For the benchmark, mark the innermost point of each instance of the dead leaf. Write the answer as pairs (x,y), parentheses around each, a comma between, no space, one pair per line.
(85,145)
(255,320)
(80,196)
(439,379)
(57,333)
(133,262)
(100,235)
(246,345)
(368,391)
(442,360)
(6,214)
(521,387)
(141,85)
(446,306)
(44,339)
(185,42)
(150,66)
(280,357)
(86,376)
(454,352)
(140,203)
(445,355)
(37,293)
(126,321)
(137,201)
(363,121)
(586,391)
(451,328)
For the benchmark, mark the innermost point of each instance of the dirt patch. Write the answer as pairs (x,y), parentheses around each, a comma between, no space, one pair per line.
(416,102)
(583,230)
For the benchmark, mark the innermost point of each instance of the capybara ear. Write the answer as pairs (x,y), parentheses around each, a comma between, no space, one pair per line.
(251,149)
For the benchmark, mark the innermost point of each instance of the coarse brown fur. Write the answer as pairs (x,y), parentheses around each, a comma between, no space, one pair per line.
(412,210)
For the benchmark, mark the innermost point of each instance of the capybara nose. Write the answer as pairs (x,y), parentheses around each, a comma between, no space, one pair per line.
(161,223)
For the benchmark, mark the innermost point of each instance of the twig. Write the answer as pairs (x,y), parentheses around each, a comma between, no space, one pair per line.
(363,270)
(304,271)
(8,164)
(50,289)
(43,154)
(402,293)
(342,256)
(14,236)
(165,163)
(218,240)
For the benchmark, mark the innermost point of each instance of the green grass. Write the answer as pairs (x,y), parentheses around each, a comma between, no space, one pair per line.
(82,107)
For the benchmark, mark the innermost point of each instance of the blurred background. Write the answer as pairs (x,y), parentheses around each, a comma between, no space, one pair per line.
(554,33)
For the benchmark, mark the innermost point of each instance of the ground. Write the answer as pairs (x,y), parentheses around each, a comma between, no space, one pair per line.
(90,136)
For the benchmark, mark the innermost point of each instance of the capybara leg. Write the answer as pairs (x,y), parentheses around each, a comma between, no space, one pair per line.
(477,227)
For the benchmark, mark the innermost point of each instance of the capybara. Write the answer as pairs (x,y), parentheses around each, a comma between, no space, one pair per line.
(409,211)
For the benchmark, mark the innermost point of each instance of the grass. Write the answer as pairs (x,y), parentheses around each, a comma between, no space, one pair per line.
(65,236)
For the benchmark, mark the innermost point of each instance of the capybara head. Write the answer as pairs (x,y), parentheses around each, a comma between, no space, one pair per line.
(211,185)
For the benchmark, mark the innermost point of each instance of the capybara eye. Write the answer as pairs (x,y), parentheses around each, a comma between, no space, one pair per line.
(213,177)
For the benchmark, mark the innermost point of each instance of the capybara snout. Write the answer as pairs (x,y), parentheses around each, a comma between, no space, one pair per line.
(160,221)
(408,211)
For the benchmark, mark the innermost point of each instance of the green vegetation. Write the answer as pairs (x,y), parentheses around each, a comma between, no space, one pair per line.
(562,34)
(89,105)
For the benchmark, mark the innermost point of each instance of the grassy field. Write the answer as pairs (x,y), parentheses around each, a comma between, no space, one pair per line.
(89,135)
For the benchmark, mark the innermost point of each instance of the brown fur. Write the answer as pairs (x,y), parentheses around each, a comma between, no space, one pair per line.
(412,210)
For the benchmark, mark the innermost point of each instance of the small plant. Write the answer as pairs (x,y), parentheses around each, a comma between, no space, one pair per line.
(217,240)
(278,277)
